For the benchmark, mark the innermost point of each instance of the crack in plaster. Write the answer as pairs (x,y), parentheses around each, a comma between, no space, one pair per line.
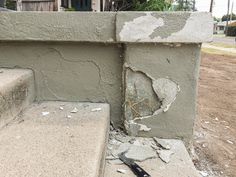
(164,88)
(80,61)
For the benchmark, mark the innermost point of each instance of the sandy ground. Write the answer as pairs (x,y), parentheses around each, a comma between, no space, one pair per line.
(215,129)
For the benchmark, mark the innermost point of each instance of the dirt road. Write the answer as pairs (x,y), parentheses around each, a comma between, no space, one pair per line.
(215,129)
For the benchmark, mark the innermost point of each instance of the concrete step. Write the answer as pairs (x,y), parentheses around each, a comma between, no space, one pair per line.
(180,164)
(47,140)
(16,92)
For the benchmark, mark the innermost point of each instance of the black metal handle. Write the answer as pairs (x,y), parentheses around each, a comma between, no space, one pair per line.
(139,171)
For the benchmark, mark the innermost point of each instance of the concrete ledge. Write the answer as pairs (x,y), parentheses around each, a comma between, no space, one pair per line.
(174,27)
(50,26)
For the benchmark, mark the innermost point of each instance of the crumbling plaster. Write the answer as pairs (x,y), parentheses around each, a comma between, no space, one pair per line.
(79,57)
(177,66)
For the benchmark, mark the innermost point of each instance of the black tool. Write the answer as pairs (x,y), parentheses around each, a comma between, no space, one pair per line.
(133,166)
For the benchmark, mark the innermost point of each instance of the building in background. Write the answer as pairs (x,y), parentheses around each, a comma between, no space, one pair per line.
(60,5)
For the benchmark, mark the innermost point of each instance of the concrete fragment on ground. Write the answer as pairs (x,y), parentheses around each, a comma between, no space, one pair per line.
(54,145)
(162,143)
(135,152)
(180,164)
(165,155)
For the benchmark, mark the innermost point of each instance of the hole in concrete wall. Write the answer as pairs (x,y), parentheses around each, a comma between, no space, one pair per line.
(141,99)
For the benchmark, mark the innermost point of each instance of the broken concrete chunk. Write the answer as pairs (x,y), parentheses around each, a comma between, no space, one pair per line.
(166,91)
(123,171)
(137,153)
(165,155)
(61,108)
(162,143)
(96,109)
(75,110)
(45,113)
(115,162)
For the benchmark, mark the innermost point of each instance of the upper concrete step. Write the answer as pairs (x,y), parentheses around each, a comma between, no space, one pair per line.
(16,92)
(55,139)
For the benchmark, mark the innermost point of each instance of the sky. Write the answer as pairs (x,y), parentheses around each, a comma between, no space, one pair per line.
(219,7)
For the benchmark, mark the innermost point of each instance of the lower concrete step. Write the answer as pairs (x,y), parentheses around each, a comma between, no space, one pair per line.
(179,163)
(56,139)
(16,92)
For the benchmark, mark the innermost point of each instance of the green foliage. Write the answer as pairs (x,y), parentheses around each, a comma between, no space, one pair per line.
(10,4)
(184,5)
(231,29)
(151,5)
(224,18)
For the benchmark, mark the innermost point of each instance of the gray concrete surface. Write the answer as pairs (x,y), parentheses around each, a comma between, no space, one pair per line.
(71,71)
(57,26)
(17,91)
(79,57)
(44,141)
(175,116)
(161,27)
(181,27)
(180,165)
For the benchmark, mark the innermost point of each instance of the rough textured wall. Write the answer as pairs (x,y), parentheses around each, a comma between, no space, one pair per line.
(71,71)
(160,89)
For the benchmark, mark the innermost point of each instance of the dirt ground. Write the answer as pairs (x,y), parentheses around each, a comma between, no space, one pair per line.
(215,129)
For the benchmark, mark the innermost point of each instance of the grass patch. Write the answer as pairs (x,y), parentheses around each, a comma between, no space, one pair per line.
(224,45)
(217,52)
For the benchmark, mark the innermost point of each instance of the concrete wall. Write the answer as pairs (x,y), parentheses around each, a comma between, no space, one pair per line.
(83,57)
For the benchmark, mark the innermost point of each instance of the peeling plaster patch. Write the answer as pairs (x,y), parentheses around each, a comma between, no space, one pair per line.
(166,91)
(133,128)
(163,91)
(187,33)
(138,28)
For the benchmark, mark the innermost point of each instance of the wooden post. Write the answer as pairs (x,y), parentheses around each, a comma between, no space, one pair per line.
(227,22)
(19,5)
(211,5)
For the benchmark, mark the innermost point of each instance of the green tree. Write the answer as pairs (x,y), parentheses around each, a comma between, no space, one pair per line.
(151,5)
(184,5)
(224,18)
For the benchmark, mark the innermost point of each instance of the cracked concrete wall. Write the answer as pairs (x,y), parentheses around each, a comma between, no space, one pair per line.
(71,71)
(79,57)
(166,76)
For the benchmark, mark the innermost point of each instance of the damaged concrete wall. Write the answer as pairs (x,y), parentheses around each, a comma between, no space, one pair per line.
(71,72)
(160,89)
(86,58)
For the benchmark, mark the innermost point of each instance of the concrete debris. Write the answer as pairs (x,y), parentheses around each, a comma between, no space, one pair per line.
(68,116)
(96,109)
(203,173)
(162,143)
(123,171)
(61,108)
(135,152)
(75,110)
(45,113)
(115,162)
(230,142)
(165,155)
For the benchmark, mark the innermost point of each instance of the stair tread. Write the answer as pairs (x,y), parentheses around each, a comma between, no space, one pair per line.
(54,144)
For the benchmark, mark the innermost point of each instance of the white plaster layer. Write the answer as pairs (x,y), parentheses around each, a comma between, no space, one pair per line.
(140,28)
(198,28)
